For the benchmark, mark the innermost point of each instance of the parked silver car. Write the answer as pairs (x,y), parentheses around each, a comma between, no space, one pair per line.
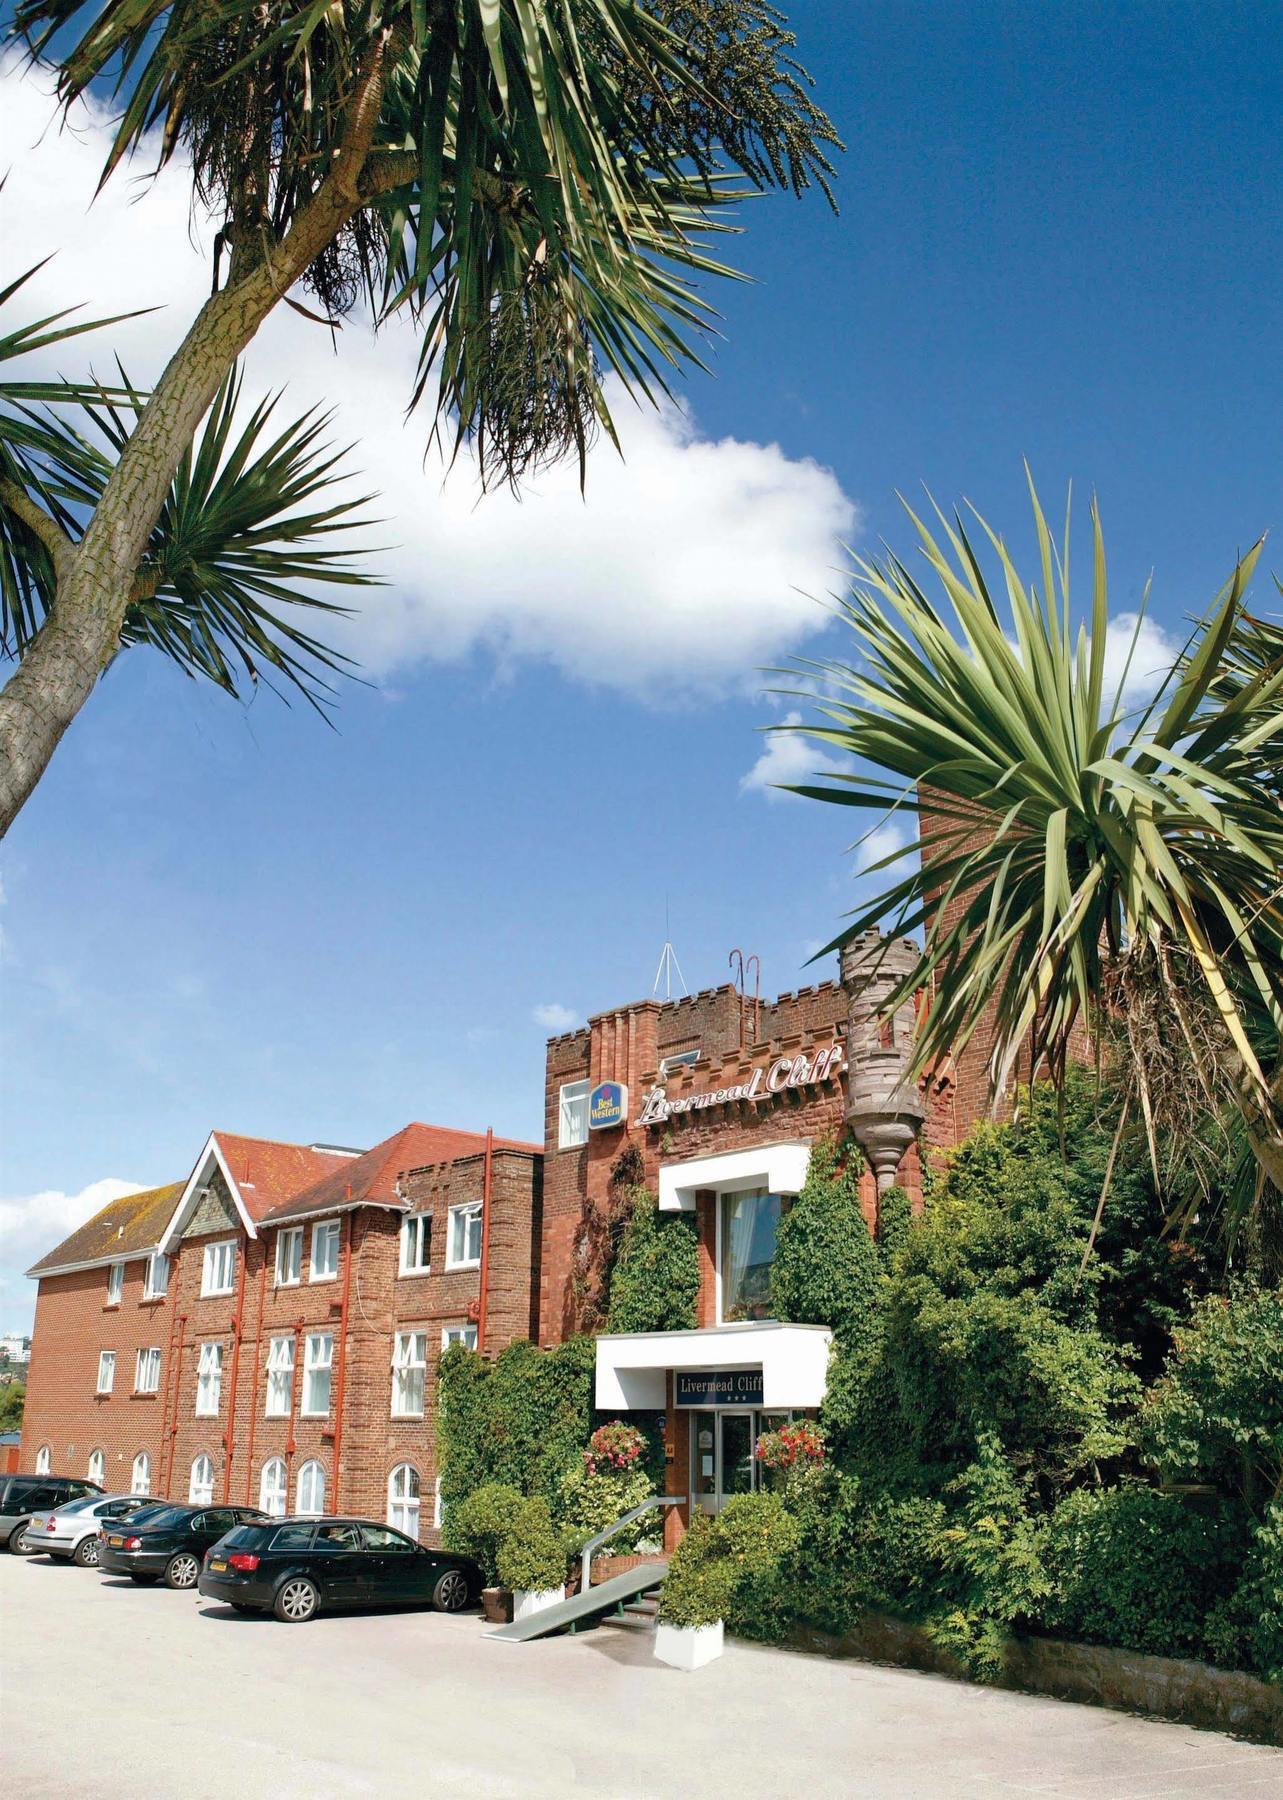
(72,1530)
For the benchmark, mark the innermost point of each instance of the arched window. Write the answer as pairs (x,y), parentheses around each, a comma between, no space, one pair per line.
(200,1490)
(42,1460)
(141,1483)
(271,1488)
(97,1467)
(310,1493)
(403,1499)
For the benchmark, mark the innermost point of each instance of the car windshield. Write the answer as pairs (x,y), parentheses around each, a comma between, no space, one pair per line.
(159,1517)
(243,1534)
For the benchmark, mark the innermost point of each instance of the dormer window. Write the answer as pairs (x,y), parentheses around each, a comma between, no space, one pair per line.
(218,1268)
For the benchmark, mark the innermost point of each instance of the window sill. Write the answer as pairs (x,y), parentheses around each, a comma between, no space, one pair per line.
(408,1418)
(314,1415)
(204,1413)
(145,1394)
(320,1280)
(152,1299)
(472,1263)
(407,1274)
(111,1305)
(216,1293)
(102,1393)
(294,1281)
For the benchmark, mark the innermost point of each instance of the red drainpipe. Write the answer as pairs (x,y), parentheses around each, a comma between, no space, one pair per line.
(485,1237)
(238,1320)
(253,1406)
(178,1385)
(338,1397)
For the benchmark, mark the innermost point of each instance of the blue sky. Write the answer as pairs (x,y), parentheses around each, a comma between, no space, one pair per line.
(1059,238)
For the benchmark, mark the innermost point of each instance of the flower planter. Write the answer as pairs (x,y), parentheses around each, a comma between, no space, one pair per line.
(528,1601)
(496,1604)
(688,1646)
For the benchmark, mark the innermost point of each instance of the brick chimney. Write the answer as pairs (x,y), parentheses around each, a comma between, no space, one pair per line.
(883,1110)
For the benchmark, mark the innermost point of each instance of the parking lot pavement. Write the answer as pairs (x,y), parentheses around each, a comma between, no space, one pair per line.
(110,1689)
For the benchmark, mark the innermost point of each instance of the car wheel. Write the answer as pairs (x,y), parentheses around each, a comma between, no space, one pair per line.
(181,1570)
(451,1592)
(20,1543)
(296,1600)
(85,1554)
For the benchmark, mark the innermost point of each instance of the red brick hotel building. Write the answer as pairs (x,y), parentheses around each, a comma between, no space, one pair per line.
(267,1331)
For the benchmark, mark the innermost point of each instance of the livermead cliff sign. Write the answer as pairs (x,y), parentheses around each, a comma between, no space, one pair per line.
(764,1084)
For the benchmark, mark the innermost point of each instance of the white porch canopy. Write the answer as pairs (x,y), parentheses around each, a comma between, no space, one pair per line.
(778,1168)
(633,1367)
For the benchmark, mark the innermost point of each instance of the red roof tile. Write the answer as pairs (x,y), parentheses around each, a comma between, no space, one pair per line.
(370,1180)
(269,1174)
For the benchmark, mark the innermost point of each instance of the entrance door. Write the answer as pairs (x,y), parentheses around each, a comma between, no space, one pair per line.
(723,1459)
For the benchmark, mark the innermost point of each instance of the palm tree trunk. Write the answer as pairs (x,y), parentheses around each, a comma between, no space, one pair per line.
(82,631)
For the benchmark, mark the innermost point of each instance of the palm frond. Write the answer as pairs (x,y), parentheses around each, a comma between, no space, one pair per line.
(1065,843)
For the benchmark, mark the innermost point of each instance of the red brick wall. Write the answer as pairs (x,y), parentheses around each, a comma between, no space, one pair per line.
(72,1325)
(62,1411)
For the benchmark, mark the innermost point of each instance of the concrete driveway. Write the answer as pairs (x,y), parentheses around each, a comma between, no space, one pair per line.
(110,1689)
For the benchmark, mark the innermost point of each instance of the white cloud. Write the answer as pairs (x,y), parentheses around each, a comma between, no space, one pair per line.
(881,842)
(1154,653)
(33,1224)
(787,757)
(685,570)
(555,1017)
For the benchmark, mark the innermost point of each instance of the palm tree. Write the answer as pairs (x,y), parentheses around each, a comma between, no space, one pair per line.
(534,181)
(1082,869)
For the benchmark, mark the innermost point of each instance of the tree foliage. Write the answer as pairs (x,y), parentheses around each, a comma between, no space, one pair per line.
(1111,871)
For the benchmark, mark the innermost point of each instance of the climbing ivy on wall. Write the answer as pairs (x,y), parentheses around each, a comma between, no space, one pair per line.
(654,1285)
(522,1419)
(826,1269)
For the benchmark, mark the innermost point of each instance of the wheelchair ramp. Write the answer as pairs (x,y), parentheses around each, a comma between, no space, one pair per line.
(584,1610)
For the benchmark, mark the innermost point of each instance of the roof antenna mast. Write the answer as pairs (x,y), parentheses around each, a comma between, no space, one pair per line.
(668,963)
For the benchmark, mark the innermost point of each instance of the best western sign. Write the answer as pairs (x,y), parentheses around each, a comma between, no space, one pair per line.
(765,1084)
(607,1106)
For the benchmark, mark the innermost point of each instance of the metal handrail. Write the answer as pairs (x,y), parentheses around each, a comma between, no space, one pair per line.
(602,1537)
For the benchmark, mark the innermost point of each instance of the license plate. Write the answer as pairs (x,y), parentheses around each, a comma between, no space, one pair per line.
(218,1562)
(115,1542)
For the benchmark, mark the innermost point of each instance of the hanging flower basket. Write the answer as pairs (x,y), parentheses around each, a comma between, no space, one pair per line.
(613,1448)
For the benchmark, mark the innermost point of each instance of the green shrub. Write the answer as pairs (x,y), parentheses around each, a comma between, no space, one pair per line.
(1217,1413)
(1139,1569)
(732,1568)
(531,1553)
(992,1576)
(826,1269)
(588,1501)
(1246,1630)
(654,1285)
(522,1419)
(477,1525)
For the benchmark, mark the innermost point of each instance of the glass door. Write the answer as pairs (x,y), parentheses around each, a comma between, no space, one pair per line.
(723,1457)
(703,1429)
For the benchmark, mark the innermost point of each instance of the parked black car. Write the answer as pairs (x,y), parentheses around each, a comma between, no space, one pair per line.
(294,1567)
(168,1540)
(23,1495)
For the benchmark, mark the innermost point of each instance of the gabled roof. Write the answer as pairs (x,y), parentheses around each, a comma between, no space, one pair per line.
(260,1173)
(129,1227)
(370,1180)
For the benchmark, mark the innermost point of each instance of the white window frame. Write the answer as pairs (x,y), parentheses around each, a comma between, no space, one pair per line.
(115,1283)
(279,1363)
(274,1494)
(416,1237)
(409,1374)
(318,1360)
(405,1509)
(201,1493)
(289,1256)
(209,1381)
(140,1475)
(42,1460)
(213,1258)
(147,1364)
(156,1284)
(459,1334)
(473,1211)
(106,1371)
(98,1466)
(315,1471)
(333,1235)
(572,1132)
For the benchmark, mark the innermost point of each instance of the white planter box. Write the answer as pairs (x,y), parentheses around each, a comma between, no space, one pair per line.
(528,1601)
(688,1646)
